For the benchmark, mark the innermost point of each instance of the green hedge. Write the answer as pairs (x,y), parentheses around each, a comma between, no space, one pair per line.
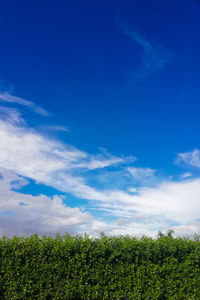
(66,267)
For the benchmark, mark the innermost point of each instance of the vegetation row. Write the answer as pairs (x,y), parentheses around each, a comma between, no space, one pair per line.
(76,267)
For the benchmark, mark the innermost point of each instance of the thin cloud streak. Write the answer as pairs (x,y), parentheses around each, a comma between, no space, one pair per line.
(53,128)
(7,97)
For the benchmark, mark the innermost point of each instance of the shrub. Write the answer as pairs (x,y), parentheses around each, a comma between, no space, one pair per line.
(66,267)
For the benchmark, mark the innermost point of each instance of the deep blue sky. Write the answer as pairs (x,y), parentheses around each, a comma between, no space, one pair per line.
(73,58)
(122,75)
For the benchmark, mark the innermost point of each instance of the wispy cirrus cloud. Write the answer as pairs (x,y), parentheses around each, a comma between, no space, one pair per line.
(7,97)
(154,58)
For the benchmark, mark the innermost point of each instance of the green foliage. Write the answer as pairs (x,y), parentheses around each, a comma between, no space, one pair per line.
(67,267)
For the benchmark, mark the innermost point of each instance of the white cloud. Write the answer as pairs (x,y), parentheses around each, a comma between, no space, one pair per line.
(7,97)
(189,158)
(11,115)
(175,201)
(187,230)
(156,208)
(24,214)
(141,173)
(186,175)
(27,152)
(132,190)
(151,210)
(35,156)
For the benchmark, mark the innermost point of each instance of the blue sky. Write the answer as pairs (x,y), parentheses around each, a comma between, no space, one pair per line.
(99,117)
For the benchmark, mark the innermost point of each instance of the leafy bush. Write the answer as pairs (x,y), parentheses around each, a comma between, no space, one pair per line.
(66,267)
